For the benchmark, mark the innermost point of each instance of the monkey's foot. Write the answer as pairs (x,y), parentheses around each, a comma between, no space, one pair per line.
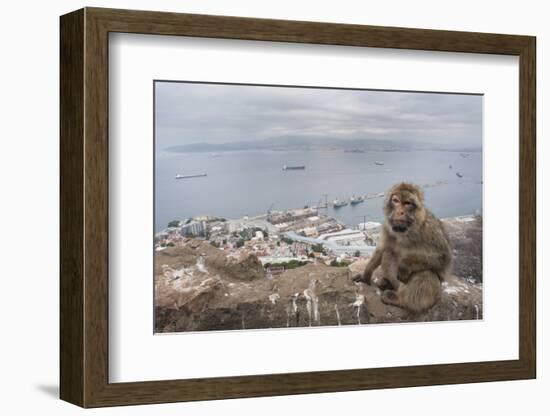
(389,297)
(383,283)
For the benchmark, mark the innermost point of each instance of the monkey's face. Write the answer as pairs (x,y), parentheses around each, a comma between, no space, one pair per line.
(404,211)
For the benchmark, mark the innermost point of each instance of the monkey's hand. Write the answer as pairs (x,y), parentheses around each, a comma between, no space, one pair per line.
(384,283)
(363,278)
(404,273)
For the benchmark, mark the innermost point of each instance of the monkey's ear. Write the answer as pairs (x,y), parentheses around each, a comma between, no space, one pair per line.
(420,194)
(387,201)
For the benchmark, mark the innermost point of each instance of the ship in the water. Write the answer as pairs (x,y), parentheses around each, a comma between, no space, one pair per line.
(459,174)
(287,167)
(354,200)
(339,203)
(196,175)
(379,163)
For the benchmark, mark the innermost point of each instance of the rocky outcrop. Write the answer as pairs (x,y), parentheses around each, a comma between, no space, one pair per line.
(466,242)
(197,288)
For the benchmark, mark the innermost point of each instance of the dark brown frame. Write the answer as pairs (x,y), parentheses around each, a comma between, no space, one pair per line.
(84,207)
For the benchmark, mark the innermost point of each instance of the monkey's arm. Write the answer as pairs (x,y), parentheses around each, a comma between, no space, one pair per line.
(373,263)
(389,269)
(422,259)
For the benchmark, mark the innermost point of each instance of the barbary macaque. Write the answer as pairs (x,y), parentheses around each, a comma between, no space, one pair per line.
(413,252)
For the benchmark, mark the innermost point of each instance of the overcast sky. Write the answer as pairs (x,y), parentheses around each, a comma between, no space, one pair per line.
(212,113)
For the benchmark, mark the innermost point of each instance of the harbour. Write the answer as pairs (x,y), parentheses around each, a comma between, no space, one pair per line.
(250,182)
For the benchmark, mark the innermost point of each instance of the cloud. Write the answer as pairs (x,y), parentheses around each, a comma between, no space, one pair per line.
(220,113)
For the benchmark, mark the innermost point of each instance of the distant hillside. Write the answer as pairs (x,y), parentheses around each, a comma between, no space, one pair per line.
(319,143)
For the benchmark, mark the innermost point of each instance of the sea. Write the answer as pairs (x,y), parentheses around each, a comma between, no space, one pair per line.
(250,183)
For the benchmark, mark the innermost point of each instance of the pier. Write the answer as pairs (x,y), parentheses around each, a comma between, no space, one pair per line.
(331,245)
(361,198)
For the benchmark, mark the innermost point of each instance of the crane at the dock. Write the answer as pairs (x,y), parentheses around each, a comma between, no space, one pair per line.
(320,203)
(269,210)
(364,216)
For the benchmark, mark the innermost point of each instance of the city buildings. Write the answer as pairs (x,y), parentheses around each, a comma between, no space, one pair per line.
(193,228)
(277,239)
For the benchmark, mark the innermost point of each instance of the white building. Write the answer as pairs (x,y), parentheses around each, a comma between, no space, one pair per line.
(193,228)
(310,231)
(345,237)
(369,225)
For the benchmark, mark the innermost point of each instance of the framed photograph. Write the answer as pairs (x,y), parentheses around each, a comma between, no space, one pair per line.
(254,207)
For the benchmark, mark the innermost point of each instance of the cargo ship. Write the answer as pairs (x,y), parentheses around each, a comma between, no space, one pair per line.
(286,167)
(354,200)
(338,204)
(196,175)
(379,163)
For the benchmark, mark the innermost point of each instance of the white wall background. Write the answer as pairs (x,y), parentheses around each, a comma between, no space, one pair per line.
(29,172)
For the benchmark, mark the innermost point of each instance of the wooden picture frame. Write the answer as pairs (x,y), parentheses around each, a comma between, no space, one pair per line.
(84,207)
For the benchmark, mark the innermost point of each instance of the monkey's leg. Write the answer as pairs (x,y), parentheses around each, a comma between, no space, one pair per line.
(390,297)
(421,293)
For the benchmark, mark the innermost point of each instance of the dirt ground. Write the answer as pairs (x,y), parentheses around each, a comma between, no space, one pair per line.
(198,289)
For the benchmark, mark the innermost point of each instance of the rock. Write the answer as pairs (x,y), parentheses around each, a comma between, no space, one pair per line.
(466,241)
(358,267)
(312,295)
(247,269)
(199,288)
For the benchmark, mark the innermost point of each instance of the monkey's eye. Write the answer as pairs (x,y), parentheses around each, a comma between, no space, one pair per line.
(408,204)
(395,200)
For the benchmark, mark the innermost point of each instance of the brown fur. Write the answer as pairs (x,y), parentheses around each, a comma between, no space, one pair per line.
(414,253)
